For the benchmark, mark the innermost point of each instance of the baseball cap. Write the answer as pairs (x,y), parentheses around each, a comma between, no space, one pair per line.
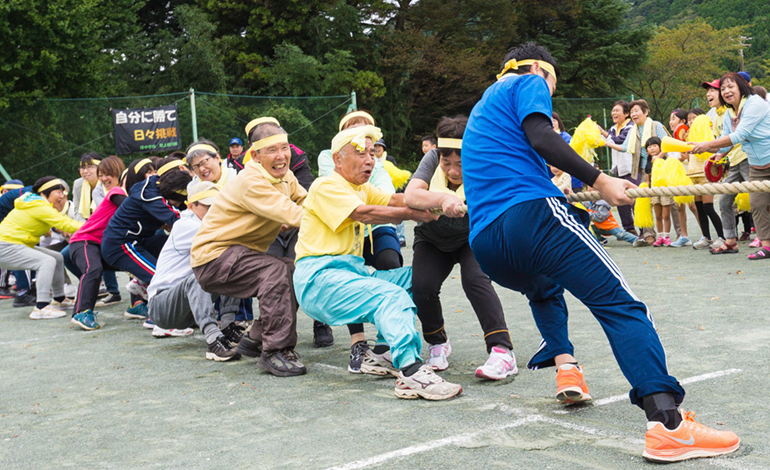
(745,75)
(712,84)
(381,142)
(235,140)
(204,192)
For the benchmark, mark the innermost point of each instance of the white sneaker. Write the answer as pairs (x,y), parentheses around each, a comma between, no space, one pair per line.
(717,243)
(66,303)
(137,288)
(702,244)
(501,364)
(427,384)
(159,332)
(47,313)
(70,291)
(438,355)
(378,364)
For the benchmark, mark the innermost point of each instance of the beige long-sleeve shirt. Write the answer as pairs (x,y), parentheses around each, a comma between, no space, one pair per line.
(248,211)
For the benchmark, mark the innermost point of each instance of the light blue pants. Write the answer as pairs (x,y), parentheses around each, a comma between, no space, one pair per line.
(339,290)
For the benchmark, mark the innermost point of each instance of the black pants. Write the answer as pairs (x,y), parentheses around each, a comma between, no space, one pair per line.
(430,268)
(87,256)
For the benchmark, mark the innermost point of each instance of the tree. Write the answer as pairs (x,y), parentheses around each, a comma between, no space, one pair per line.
(679,59)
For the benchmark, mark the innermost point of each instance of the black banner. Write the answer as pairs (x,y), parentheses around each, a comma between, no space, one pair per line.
(146,130)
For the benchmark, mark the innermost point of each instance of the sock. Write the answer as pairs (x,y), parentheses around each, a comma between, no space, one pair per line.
(571,364)
(212,332)
(662,408)
(41,305)
(703,219)
(380,348)
(714,217)
(59,298)
(226,319)
(411,369)
(663,234)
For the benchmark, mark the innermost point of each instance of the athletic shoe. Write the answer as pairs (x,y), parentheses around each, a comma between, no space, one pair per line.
(745,236)
(137,288)
(501,364)
(682,241)
(47,313)
(233,333)
(688,441)
(137,311)
(378,364)
(159,332)
(249,348)
(64,304)
(756,243)
(102,292)
(571,387)
(717,243)
(667,241)
(702,244)
(357,352)
(110,299)
(283,363)
(6,293)
(149,324)
(427,384)
(86,320)
(438,355)
(322,335)
(640,242)
(221,350)
(659,242)
(25,299)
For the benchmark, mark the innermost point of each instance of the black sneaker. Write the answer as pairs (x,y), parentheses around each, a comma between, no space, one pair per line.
(233,333)
(111,299)
(102,292)
(25,300)
(249,348)
(283,363)
(357,353)
(221,350)
(6,293)
(322,335)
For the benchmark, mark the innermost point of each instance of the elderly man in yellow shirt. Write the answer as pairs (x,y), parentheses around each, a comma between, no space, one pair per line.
(229,252)
(331,281)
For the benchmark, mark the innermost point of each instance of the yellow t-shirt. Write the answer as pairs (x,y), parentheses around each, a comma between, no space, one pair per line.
(326,228)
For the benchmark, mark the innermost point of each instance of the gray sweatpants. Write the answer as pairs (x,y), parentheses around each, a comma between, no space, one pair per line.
(48,264)
(736,174)
(186,304)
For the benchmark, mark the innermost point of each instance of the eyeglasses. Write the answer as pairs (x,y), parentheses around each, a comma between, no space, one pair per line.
(197,166)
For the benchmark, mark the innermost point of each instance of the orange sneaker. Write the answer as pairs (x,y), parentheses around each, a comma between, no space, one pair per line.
(688,441)
(570,385)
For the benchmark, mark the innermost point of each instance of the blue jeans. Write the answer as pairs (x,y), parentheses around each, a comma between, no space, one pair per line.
(617,232)
(110,278)
(514,252)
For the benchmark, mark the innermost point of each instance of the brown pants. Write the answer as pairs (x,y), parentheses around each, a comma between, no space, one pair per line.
(242,273)
(760,202)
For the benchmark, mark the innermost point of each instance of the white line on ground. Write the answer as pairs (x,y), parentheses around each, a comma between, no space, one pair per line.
(378,459)
(329,366)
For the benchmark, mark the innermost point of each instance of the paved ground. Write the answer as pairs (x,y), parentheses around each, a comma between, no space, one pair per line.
(119,398)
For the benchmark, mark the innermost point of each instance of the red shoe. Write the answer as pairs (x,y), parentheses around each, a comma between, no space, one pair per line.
(688,441)
(571,387)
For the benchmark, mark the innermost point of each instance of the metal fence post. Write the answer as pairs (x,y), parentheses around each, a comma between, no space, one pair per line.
(353,105)
(194,117)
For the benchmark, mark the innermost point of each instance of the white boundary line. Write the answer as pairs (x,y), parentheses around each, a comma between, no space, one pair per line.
(451,440)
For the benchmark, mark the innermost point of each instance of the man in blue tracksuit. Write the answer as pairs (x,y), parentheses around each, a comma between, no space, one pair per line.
(23,298)
(528,239)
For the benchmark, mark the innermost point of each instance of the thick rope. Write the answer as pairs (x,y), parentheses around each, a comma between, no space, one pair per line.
(670,191)
(691,190)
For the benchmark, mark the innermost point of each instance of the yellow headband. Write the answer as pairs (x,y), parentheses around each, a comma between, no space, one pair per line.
(206,147)
(445,143)
(94,161)
(50,184)
(11,186)
(356,136)
(251,125)
(197,197)
(141,164)
(268,141)
(356,114)
(513,64)
(170,166)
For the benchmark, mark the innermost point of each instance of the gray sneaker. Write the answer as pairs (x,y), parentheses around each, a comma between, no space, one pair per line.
(702,244)
(640,242)
(717,243)
(427,384)
(283,363)
(378,364)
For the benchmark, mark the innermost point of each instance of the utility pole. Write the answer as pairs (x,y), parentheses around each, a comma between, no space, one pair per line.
(743,43)
(194,116)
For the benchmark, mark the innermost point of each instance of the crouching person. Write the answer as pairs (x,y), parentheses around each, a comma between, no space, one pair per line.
(332,283)
(229,253)
(176,301)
